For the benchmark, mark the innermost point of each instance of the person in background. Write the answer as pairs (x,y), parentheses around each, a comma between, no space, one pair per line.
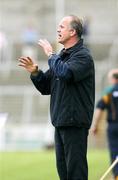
(70,80)
(29,38)
(109,102)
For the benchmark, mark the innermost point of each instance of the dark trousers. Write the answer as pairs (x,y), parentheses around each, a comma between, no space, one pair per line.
(112,133)
(71,151)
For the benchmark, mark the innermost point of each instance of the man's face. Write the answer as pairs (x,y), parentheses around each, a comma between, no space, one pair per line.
(64,30)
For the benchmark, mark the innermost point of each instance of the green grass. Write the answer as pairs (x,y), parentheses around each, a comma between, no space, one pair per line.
(41,165)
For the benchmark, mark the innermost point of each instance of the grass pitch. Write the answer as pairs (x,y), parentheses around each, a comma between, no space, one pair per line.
(41,165)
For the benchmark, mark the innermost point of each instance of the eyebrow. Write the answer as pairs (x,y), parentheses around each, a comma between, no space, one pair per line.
(61,25)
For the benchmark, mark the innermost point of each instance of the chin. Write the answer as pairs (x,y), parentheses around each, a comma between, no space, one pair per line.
(59,41)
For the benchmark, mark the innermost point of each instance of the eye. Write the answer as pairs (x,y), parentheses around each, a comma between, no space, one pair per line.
(61,26)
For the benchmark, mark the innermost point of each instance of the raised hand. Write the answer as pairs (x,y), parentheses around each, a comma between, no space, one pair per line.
(28,64)
(46,46)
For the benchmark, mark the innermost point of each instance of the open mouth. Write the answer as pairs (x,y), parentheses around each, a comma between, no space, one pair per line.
(59,35)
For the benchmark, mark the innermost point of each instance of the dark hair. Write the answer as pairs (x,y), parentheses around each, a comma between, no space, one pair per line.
(115,75)
(76,24)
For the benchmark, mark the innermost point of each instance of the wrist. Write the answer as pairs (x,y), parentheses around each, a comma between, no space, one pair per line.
(50,54)
(35,71)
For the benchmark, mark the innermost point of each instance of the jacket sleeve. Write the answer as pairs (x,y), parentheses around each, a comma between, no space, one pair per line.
(60,68)
(101,105)
(81,66)
(42,82)
(78,67)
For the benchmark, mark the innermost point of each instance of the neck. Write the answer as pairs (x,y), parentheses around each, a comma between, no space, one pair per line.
(70,43)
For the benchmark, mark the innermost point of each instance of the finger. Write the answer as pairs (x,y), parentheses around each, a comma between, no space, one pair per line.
(23,58)
(24,61)
(29,59)
(46,41)
(22,64)
(42,42)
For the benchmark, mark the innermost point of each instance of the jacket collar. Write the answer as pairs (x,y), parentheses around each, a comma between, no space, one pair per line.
(73,48)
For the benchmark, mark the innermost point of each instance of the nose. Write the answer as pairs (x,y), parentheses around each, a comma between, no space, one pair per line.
(58,30)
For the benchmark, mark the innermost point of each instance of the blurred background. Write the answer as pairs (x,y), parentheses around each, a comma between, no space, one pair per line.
(24,113)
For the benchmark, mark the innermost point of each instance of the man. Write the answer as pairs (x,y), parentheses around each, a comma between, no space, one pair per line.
(70,82)
(109,102)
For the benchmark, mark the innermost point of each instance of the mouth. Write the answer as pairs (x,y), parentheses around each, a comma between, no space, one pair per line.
(59,36)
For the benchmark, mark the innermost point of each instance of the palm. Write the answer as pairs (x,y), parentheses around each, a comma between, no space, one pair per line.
(46,46)
(28,64)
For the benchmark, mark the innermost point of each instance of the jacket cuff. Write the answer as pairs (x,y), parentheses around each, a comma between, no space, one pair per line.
(36,76)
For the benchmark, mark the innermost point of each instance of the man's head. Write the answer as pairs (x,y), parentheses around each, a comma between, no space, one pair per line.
(113,76)
(69,31)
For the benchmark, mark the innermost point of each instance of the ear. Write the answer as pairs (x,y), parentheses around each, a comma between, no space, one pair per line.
(72,32)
